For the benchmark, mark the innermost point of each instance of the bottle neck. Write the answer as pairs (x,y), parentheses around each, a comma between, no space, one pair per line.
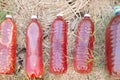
(7,18)
(59,16)
(117,13)
(34,19)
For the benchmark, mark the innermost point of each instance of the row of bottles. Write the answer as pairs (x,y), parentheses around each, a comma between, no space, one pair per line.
(58,50)
(84,42)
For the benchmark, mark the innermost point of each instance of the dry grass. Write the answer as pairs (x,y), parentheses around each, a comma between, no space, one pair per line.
(73,10)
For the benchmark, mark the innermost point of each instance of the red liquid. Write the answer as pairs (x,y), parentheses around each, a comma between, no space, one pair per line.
(58,53)
(112,46)
(83,60)
(34,65)
(7,46)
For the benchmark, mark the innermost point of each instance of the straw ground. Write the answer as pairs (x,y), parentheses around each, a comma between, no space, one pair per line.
(101,12)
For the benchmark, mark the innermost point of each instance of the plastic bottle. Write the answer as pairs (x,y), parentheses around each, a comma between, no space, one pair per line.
(7,46)
(83,60)
(112,44)
(34,64)
(58,51)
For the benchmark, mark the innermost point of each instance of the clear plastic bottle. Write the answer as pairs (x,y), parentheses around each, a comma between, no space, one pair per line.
(7,46)
(112,44)
(83,60)
(34,64)
(58,51)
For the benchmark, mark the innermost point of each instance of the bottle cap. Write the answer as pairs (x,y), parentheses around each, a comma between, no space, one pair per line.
(8,16)
(33,17)
(59,14)
(116,9)
(87,15)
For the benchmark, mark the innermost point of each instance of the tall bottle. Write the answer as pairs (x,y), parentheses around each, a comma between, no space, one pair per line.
(58,51)
(112,44)
(7,46)
(83,60)
(34,64)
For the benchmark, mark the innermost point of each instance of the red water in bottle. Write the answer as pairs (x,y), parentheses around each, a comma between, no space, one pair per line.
(58,51)
(7,46)
(112,45)
(83,60)
(34,64)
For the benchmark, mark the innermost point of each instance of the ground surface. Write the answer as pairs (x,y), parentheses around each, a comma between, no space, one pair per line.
(73,10)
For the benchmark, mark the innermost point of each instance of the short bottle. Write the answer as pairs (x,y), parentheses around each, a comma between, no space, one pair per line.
(7,46)
(112,44)
(83,59)
(58,50)
(33,63)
